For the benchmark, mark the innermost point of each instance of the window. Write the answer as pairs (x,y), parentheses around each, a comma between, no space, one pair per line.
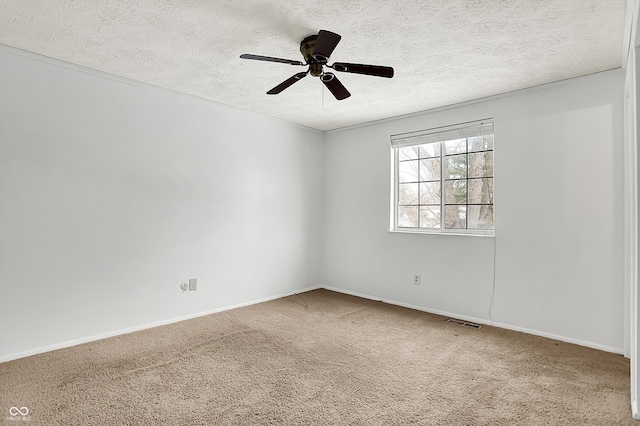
(443,180)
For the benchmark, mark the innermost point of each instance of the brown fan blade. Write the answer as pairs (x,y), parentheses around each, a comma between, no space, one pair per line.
(325,44)
(334,86)
(288,82)
(270,59)
(375,70)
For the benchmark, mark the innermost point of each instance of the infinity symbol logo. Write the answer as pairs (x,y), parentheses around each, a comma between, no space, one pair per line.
(14,411)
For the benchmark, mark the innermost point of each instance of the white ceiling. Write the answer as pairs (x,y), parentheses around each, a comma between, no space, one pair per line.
(443,51)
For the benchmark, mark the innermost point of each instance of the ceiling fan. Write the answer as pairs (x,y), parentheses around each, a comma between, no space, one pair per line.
(316,50)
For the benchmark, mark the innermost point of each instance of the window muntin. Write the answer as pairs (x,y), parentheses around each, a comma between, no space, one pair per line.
(443,180)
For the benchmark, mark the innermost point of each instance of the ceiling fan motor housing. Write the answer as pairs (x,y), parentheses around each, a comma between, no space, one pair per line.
(315,69)
(307,46)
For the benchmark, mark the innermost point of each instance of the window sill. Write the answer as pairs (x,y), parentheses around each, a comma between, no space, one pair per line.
(428,232)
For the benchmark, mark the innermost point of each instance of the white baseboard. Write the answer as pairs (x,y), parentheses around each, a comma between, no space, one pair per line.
(634,410)
(588,344)
(114,333)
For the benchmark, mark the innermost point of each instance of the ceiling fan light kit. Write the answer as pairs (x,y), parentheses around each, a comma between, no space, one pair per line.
(316,51)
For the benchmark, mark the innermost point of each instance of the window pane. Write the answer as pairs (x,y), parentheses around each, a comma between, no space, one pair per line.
(430,169)
(408,171)
(481,164)
(480,217)
(455,192)
(456,167)
(455,217)
(481,143)
(480,191)
(408,153)
(408,193)
(446,184)
(456,146)
(408,217)
(430,193)
(430,150)
(430,217)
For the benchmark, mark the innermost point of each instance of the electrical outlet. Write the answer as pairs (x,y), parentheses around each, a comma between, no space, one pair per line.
(416,279)
(193,284)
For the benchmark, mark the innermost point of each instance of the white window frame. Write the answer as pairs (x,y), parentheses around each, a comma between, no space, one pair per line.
(440,134)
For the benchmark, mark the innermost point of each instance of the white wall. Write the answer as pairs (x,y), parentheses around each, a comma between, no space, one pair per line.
(559,217)
(112,193)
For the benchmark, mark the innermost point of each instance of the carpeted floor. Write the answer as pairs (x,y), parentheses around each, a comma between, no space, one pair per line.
(342,361)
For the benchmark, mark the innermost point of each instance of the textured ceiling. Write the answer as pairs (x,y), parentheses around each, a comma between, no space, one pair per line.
(443,51)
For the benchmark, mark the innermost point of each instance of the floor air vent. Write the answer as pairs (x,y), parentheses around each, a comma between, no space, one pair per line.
(465,323)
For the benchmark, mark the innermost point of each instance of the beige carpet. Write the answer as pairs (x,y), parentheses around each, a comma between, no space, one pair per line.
(342,361)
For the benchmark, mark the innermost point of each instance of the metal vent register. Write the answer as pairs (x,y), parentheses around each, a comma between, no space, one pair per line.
(465,323)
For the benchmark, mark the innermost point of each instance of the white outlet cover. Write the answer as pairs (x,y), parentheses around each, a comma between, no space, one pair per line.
(193,284)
